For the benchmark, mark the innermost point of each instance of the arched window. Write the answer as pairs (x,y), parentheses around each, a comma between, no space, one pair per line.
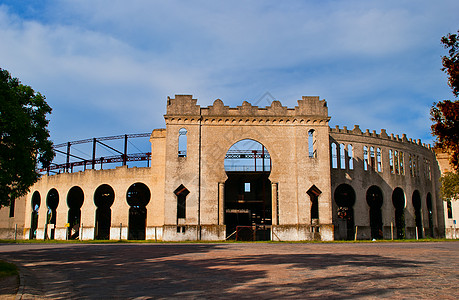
(334,155)
(372,158)
(342,156)
(312,143)
(396,162)
(314,194)
(350,155)
(410,164)
(182,143)
(402,165)
(365,158)
(391,162)
(181,192)
(379,159)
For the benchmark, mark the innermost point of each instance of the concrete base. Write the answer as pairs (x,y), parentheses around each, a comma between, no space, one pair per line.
(322,232)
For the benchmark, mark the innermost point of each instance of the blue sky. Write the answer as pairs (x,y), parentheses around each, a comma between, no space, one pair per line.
(106,67)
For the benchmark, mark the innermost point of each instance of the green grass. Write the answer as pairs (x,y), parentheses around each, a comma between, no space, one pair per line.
(7,269)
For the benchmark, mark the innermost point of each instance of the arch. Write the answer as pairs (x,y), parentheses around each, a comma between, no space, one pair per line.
(182,142)
(75,199)
(247,191)
(137,196)
(314,194)
(104,196)
(52,201)
(345,198)
(398,200)
(181,192)
(35,203)
(416,200)
(430,213)
(374,199)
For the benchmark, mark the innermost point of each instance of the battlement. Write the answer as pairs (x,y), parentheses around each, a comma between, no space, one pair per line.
(308,106)
(382,135)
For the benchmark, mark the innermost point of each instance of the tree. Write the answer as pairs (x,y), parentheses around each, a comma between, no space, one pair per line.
(23,137)
(445,114)
(449,186)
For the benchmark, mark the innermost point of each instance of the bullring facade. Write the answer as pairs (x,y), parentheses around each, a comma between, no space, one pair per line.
(307,182)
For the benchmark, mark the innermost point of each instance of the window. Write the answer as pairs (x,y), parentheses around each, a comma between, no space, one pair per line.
(342,156)
(334,155)
(312,144)
(372,158)
(350,155)
(314,194)
(247,187)
(181,192)
(182,143)
(449,208)
(391,162)
(365,158)
(402,165)
(379,159)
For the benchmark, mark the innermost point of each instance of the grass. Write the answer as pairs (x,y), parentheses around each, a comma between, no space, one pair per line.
(7,269)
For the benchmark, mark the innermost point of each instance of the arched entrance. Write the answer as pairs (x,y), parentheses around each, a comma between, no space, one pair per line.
(430,213)
(137,196)
(75,198)
(36,201)
(104,197)
(416,199)
(52,201)
(375,200)
(248,191)
(345,199)
(398,200)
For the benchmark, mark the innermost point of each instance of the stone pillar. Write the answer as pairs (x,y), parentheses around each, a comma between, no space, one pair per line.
(221,203)
(274,203)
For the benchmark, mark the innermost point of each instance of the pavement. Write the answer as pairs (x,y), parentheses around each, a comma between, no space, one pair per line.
(423,270)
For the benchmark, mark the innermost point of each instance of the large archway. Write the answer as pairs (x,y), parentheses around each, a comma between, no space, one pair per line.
(137,196)
(36,201)
(416,200)
(375,200)
(248,213)
(398,200)
(345,199)
(52,201)
(104,196)
(75,199)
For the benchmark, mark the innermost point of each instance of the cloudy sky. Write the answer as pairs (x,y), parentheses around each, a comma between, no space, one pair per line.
(106,67)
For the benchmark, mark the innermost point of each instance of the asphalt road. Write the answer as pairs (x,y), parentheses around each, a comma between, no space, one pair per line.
(252,270)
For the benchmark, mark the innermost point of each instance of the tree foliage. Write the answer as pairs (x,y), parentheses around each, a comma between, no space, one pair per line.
(449,186)
(445,114)
(23,137)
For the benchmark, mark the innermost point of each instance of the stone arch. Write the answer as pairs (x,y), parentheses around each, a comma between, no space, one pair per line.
(35,203)
(398,200)
(345,198)
(75,199)
(247,193)
(374,199)
(137,196)
(416,200)
(52,201)
(104,196)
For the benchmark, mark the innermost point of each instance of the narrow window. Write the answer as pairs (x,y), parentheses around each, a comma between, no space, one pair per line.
(181,192)
(342,156)
(350,155)
(247,187)
(449,208)
(379,159)
(182,144)
(12,207)
(391,162)
(396,162)
(365,158)
(314,193)
(402,164)
(334,156)
(410,164)
(312,143)
(372,158)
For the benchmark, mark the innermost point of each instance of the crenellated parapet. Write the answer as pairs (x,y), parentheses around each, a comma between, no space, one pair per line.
(310,110)
(356,131)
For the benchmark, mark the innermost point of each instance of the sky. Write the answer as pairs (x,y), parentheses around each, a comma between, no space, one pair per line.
(107,67)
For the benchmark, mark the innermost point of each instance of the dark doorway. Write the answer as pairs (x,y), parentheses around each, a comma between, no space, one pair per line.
(375,200)
(52,201)
(417,212)
(430,214)
(398,200)
(75,199)
(104,196)
(137,196)
(345,199)
(314,194)
(248,192)
(36,200)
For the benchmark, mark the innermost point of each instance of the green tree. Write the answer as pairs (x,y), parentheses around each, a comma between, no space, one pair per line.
(445,114)
(23,137)
(449,186)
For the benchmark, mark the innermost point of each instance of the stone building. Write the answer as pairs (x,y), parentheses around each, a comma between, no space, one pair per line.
(304,181)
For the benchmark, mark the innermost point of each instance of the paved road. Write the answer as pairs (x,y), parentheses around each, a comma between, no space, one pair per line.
(308,271)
